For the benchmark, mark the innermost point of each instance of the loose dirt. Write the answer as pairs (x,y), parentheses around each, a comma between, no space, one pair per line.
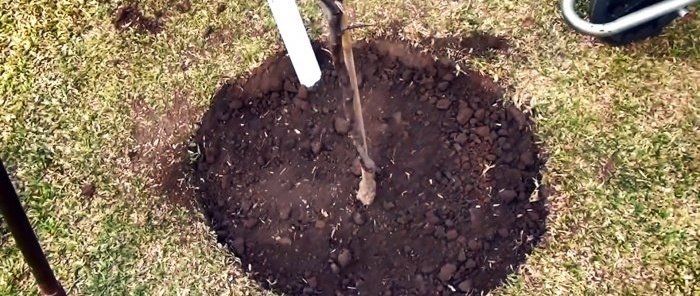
(159,146)
(131,16)
(456,168)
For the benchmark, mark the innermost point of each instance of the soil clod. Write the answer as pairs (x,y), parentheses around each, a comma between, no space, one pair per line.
(443,104)
(131,16)
(341,125)
(464,114)
(465,286)
(452,234)
(302,93)
(236,104)
(482,131)
(88,190)
(316,147)
(507,195)
(447,271)
(285,212)
(470,264)
(344,258)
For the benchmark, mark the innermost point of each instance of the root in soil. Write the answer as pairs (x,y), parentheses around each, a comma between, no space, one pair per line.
(453,211)
(368,186)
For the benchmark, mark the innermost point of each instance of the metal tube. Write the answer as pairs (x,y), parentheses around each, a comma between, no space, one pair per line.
(25,238)
(624,23)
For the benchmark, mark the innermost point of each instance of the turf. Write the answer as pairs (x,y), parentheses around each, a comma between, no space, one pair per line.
(619,126)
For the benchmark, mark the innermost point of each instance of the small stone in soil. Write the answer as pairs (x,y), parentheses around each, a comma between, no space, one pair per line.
(442,86)
(335,268)
(443,104)
(320,224)
(503,232)
(452,234)
(344,258)
(470,264)
(447,271)
(341,125)
(474,245)
(285,212)
(316,147)
(464,114)
(462,239)
(527,158)
(388,205)
(432,218)
(461,138)
(480,114)
(358,218)
(465,286)
(236,104)
(285,241)
(398,119)
(440,232)
(507,195)
(482,131)
(462,256)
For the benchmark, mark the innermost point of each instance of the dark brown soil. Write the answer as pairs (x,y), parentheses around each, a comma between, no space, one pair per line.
(475,44)
(130,16)
(278,176)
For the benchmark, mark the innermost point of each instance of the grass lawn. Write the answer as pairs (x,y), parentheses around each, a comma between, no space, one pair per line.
(87,106)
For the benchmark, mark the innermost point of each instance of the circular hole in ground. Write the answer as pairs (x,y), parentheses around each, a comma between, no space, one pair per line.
(455,210)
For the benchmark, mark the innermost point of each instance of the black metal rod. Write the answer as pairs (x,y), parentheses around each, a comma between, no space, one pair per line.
(25,238)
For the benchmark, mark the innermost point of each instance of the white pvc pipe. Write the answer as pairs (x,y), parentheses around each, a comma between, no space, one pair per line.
(291,27)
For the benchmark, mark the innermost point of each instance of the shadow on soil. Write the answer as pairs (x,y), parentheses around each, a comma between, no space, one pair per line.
(457,208)
(675,43)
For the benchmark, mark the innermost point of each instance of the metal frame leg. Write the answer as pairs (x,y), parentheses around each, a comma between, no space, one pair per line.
(25,238)
(624,23)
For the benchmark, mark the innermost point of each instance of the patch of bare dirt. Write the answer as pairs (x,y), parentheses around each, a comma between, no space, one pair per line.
(159,152)
(184,6)
(130,16)
(476,44)
(457,168)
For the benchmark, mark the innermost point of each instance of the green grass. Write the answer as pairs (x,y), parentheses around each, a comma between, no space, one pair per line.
(71,81)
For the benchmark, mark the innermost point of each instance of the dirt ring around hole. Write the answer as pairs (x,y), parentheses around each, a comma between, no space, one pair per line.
(453,212)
